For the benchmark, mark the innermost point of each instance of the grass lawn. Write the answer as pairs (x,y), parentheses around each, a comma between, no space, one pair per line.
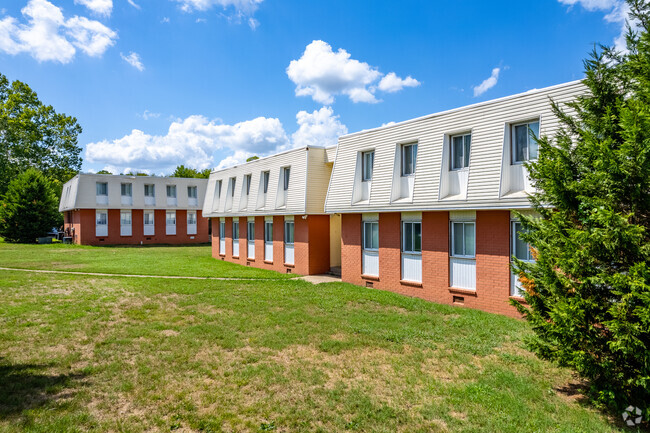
(146,260)
(81,353)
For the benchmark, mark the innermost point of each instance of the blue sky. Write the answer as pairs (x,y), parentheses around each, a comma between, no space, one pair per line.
(206,83)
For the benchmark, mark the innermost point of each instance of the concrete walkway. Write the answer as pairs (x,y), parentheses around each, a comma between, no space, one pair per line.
(171,277)
(318,279)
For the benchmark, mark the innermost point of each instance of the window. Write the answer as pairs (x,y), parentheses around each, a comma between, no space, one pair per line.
(460,146)
(102,188)
(520,248)
(192,192)
(125,218)
(268,231)
(149,228)
(149,190)
(250,233)
(171,191)
(285,177)
(248,183)
(265,179)
(191,217)
(218,189)
(288,232)
(524,144)
(148,218)
(171,218)
(102,218)
(463,235)
(367,161)
(412,237)
(127,190)
(222,230)
(370,235)
(233,181)
(235,230)
(101,223)
(409,158)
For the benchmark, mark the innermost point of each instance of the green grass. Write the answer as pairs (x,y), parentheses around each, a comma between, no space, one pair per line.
(145,260)
(81,353)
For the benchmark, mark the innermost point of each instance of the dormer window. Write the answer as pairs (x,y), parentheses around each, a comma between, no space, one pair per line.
(409,158)
(248,183)
(524,143)
(265,180)
(286,171)
(460,148)
(127,194)
(102,188)
(171,191)
(218,187)
(367,162)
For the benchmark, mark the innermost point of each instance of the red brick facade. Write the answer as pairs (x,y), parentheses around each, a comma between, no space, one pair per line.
(492,260)
(83,223)
(311,244)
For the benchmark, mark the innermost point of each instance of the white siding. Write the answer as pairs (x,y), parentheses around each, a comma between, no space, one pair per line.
(83,193)
(488,123)
(370,263)
(412,267)
(251,249)
(288,254)
(308,183)
(462,273)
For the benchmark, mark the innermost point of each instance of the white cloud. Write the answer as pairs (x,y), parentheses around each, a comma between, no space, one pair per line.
(322,74)
(165,20)
(193,141)
(618,13)
(319,128)
(134,4)
(48,36)
(488,83)
(146,115)
(100,7)
(253,23)
(392,83)
(243,6)
(133,59)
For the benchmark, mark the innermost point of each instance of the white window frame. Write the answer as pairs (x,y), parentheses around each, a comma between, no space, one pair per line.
(293,232)
(268,240)
(235,238)
(289,250)
(150,194)
(372,225)
(452,249)
(170,188)
(515,288)
(411,148)
(222,237)
(367,164)
(286,175)
(105,187)
(101,223)
(529,139)
(191,227)
(266,176)
(126,228)
(151,225)
(466,149)
(405,242)
(250,238)
(168,226)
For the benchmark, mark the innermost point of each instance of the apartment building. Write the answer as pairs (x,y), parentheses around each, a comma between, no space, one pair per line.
(269,213)
(426,204)
(101,209)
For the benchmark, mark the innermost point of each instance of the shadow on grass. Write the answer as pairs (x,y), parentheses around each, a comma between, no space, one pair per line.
(24,387)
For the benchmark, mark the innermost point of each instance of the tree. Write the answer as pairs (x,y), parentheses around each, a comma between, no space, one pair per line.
(182,171)
(589,289)
(35,135)
(29,208)
(104,172)
(252,158)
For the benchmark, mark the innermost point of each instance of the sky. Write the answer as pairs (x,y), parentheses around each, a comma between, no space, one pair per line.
(208,83)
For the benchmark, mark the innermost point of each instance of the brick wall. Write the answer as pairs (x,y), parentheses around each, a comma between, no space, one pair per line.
(83,221)
(492,259)
(311,244)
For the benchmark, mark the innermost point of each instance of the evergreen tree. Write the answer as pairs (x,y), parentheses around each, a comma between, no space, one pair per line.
(589,289)
(182,171)
(29,208)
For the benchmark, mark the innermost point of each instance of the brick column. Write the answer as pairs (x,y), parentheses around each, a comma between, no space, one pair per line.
(351,248)
(435,256)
